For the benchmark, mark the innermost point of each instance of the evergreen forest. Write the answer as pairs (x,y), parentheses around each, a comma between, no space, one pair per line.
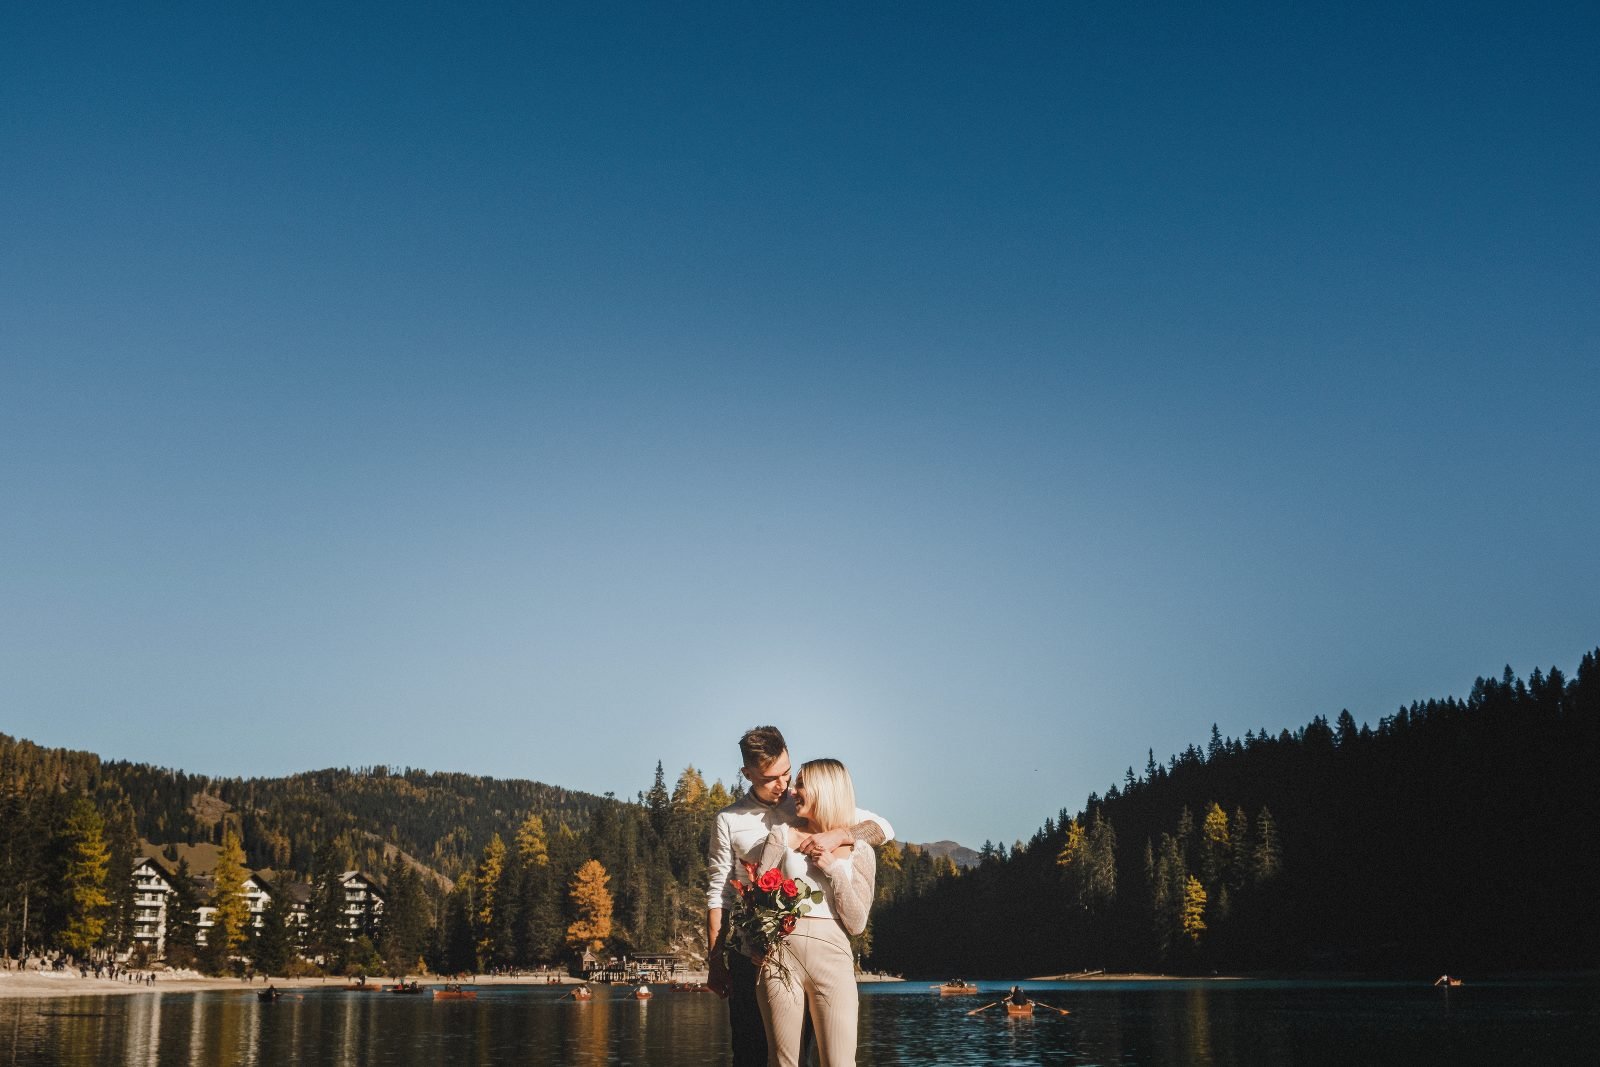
(1456,835)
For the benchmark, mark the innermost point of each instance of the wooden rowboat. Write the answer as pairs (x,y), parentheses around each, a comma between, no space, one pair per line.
(455,992)
(954,989)
(642,994)
(582,994)
(1019,1009)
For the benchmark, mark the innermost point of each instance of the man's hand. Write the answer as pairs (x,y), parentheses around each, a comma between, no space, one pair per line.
(717,975)
(816,844)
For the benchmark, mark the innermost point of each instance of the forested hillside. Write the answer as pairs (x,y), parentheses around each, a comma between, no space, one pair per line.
(70,826)
(1455,835)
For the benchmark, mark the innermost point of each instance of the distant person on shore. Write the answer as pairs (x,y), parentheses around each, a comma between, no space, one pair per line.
(741,832)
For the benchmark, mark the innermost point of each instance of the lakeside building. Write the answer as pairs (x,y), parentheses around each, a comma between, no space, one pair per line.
(152,886)
(155,904)
(363,904)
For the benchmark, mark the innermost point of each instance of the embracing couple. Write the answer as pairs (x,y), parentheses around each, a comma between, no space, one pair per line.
(803,822)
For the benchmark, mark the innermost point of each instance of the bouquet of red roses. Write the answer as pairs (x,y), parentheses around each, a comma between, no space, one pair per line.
(769,907)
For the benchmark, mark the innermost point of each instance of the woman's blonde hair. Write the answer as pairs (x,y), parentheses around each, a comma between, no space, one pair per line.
(832,795)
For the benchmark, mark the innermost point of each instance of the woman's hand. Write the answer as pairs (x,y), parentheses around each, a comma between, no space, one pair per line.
(814,845)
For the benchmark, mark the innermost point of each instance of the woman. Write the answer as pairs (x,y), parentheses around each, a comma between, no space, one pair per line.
(815,962)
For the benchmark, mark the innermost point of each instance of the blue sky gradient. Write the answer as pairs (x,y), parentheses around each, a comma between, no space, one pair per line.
(984,393)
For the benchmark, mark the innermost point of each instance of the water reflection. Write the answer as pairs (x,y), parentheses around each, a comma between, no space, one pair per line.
(144,1032)
(1112,1024)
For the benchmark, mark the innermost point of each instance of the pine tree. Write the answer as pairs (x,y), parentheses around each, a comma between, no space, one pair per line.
(1100,880)
(532,848)
(273,946)
(182,917)
(327,937)
(658,802)
(591,908)
(1215,845)
(689,825)
(1194,908)
(84,881)
(1268,859)
(458,952)
(490,869)
(122,841)
(1239,862)
(1072,860)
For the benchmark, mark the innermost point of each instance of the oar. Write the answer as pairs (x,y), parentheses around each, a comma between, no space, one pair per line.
(986,1007)
(1052,1007)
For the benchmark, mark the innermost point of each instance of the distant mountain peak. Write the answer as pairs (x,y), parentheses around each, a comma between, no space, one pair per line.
(959,854)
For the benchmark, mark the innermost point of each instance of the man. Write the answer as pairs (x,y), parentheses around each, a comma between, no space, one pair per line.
(741,829)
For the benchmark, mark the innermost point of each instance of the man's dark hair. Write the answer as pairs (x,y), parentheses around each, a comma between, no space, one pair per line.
(761,746)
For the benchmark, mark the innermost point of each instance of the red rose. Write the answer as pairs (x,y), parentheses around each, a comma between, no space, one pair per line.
(771,880)
(788,924)
(790,890)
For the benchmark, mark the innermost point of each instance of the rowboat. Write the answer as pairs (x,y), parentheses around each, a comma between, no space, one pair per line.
(1019,1009)
(957,988)
(455,992)
(642,994)
(582,993)
(267,996)
(411,988)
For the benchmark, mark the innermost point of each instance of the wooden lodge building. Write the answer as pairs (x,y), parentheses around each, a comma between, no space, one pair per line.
(631,970)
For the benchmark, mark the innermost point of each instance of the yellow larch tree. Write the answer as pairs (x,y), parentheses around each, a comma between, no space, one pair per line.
(591,903)
(232,920)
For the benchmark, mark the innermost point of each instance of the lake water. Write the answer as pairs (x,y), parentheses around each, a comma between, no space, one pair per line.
(1112,1023)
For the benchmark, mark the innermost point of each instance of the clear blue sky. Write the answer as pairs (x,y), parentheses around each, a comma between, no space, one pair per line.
(986,393)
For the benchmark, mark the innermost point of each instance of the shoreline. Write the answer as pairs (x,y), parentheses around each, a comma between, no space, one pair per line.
(45,985)
(40,985)
(1132,976)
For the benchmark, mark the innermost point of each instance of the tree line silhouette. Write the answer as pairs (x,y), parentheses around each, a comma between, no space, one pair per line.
(1453,836)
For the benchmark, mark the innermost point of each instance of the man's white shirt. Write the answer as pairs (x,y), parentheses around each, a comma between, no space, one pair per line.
(740,832)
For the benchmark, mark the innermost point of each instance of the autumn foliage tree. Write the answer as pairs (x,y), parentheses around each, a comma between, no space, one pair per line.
(231,924)
(591,907)
(87,858)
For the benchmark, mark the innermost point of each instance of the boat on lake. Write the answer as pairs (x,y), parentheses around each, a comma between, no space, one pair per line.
(408,988)
(957,987)
(1019,1009)
(453,991)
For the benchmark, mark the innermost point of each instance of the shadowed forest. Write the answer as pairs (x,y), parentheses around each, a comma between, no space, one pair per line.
(1454,835)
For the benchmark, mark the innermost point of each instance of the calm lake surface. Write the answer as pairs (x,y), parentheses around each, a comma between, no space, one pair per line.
(1112,1023)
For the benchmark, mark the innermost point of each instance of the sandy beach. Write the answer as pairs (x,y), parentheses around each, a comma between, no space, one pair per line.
(21,985)
(36,984)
